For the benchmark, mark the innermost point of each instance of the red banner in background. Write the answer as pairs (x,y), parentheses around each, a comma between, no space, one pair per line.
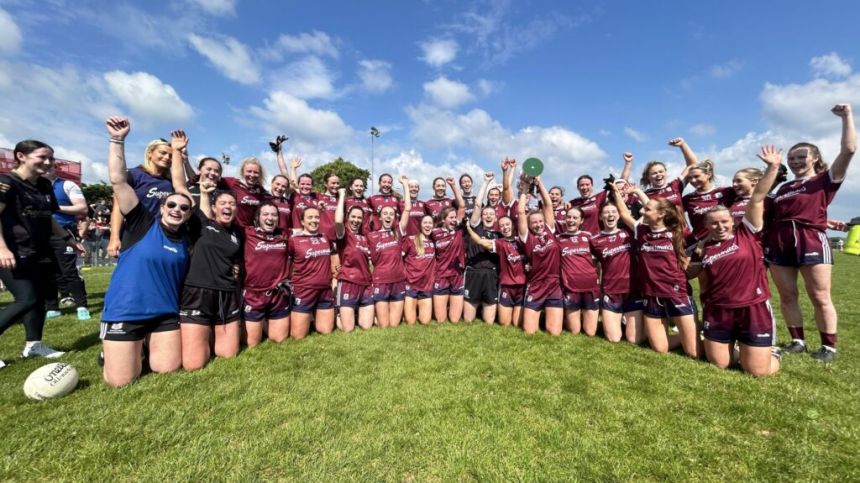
(68,170)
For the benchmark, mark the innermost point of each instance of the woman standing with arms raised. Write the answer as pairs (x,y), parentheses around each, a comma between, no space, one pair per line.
(354,283)
(389,281)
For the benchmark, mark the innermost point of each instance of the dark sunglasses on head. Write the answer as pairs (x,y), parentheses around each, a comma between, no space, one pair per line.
(172,204)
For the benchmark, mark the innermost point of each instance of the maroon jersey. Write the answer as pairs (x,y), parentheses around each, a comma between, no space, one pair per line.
(300,203)
(544,253)
(351,201)
(419,209)
(735,270)
(560,215)
(247,200)
(450,252)
(739,208)
(512,261)
(434,205)
(697,204)
(266,262)
(805,200)
(378,202)
(672,192)
(659,272)
(590,211)
(386,257)
(285,211)
(329,206)
(354,256)
(614,252)
(311,255)
(420,269)
(578,273)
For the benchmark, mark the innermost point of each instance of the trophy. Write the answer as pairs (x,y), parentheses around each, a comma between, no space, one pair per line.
(531,167)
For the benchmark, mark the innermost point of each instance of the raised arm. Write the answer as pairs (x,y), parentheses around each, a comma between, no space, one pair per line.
(407,204)
(295,164)
(548,212)
(623,210)
(178,141)
(186,164)
(125,198)
(481,242)
(458,198)
(479,200)
(848,145)
(689,156)
(339,229)
(206,189)
(522,219)
(509,166)
(754,213)
(628,165)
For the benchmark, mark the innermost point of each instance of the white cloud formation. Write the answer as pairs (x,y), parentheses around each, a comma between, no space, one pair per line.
(308,78)
(231,57)
(488,87)
(147,97)
(448,93)
(635,135)
(723,71)
(283,112)
(217,7)
(10,34)
(804,109)
(703,129)
(315,43)
(438,52)
(830,65)
(375,75)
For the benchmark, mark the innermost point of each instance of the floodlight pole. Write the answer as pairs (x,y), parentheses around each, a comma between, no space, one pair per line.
(374,133)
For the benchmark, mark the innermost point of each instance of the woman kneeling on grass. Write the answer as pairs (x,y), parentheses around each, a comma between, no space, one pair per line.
(389,280)
(310,253)
(142,301)
(354,291)
(736,297)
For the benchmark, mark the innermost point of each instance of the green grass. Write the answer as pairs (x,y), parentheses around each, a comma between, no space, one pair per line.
(444,402)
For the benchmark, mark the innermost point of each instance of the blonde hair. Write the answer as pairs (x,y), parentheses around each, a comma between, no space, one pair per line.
(753,174)
(148,165)
(707,167)
(252,160)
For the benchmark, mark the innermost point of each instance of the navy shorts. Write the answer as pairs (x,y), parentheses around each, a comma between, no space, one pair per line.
(453,285)
(622,303)
(665,307)
(389,292)
(266,304)
(352,295)
(306,300)
(581,300)
(512,295)
(753,325)
(544,294)
(414,293)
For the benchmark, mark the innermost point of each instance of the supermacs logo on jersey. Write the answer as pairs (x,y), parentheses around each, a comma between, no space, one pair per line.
(154,192)
(264,247)
(540,248)
(247,200)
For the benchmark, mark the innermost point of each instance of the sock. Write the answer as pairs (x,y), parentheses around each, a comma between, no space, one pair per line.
(796,333)
(828,340)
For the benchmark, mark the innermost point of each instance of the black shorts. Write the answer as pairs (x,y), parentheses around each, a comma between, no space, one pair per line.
(206,306)
(482,286)
(137,329)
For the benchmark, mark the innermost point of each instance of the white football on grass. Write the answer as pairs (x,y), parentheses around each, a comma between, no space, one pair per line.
(50,381)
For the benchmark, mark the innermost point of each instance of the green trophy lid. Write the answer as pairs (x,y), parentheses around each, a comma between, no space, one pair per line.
(533,167)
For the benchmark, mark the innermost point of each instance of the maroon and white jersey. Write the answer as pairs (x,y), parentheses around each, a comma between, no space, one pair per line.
(544,253)
(247,200)
(805,200)
(697,204)
(386,257)
(512,261)
(329,206)
(615,253)
(450,252)
(299,204)
(266,261)
(560,215)
(434,205)
(311,256)
(590,211)
(285,212)
(351,201)
(420,269)
(378,202)
(417,212)
(659,273)
(735,270)
(672,192)
(354,254)
(739,208)
(578,273)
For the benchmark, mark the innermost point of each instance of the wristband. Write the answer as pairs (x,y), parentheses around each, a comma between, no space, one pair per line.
(116,140)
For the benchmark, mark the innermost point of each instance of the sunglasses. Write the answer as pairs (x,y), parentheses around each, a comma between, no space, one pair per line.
(172,204)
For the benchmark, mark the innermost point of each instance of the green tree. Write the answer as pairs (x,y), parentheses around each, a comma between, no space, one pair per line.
(97,191)
(344,170)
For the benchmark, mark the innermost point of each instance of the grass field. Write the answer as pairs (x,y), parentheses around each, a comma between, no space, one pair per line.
(439,403)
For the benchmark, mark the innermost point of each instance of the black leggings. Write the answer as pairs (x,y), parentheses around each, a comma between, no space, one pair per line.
(30,288)
(69,279)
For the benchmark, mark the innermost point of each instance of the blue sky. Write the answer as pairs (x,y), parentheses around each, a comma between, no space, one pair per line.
(454,86)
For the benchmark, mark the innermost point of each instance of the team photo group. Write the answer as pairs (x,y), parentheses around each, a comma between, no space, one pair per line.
(208,264)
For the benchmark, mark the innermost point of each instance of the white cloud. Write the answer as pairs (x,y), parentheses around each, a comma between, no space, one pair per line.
(316,43)
(703,129)
(231,57)
(375,75)
(635,135)
(308,78)
(283,112)
(147,97)
(411,163)
(217,7)
(448,93)
(804,109)
(10,34)
(488,87)
(830,66)
(723,71)
(438,52)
